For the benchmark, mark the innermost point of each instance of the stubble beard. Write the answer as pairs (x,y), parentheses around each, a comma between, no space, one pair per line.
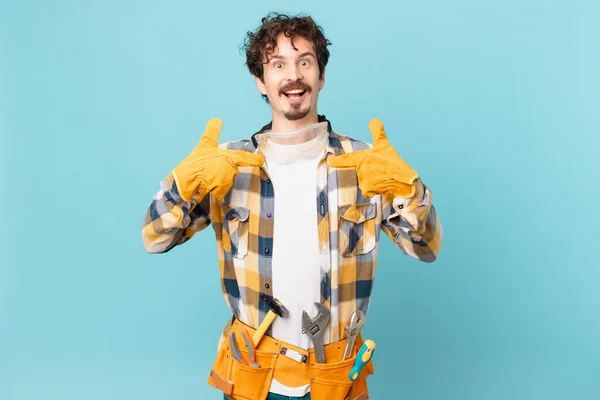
(296,112)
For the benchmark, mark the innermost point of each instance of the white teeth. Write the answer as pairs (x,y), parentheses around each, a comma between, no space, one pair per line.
(296,91)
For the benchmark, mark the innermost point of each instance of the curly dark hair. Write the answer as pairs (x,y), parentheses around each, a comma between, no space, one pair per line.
(262,42)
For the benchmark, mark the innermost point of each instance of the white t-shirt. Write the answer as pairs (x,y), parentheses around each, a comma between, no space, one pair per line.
(296,259)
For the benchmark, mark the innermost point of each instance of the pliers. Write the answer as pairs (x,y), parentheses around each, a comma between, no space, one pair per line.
(236,351)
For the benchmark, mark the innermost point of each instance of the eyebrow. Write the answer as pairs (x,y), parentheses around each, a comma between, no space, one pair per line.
(306,53)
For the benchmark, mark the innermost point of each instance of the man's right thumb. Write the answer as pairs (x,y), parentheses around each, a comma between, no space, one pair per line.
(212,131)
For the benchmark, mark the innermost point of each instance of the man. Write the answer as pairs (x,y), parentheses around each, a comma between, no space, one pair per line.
(297,209)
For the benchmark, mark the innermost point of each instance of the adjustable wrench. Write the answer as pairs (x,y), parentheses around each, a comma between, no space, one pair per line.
(357,321)
(315,329)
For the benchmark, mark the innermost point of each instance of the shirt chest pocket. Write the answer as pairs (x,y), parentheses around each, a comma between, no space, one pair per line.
(234,237)
(357,233)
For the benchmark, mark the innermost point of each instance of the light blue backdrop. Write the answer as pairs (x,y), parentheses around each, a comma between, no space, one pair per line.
(496,104)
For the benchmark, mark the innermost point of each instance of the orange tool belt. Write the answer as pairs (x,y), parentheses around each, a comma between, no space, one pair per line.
(327,381)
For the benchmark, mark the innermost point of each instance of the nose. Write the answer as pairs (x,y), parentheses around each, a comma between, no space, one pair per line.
(295,73)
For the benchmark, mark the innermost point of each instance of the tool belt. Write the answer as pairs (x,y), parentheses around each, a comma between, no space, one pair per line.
(289,365)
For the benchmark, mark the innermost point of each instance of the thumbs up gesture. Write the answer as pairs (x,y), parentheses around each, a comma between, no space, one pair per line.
(380,169)
(209,169)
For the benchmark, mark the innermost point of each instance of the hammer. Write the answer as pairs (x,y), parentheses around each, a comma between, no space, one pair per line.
(276,309)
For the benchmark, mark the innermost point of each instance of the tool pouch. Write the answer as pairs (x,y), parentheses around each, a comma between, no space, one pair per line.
(327,381)
(330,380)
(240,381)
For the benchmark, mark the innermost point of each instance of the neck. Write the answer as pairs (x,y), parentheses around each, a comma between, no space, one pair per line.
(282,124)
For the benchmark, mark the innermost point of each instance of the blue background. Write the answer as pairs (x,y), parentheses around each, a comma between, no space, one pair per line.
(496,104)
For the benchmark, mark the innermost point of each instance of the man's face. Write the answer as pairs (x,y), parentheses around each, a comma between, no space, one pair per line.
(291,78)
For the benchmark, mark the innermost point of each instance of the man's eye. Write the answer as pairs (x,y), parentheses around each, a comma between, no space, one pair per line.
(304,63)
(278,65)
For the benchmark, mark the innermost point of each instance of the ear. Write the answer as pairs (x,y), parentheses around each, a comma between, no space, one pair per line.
(322,80)
(260,85)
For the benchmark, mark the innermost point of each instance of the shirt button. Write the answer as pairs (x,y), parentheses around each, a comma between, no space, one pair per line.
(268,181)
(267,251)
(269,215)
(267,286)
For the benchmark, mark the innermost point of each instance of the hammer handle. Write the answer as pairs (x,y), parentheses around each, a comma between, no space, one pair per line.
(269,318)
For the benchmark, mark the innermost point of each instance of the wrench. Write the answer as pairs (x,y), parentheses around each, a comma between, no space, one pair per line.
(315,329)
(357,321)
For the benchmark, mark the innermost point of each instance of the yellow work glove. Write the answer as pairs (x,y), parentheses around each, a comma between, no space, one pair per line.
(209,169)
(380,169)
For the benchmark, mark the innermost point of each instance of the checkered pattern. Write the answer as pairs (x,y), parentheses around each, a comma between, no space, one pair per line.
(348,225)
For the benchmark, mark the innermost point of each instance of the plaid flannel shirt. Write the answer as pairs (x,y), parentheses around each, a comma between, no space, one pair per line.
(348,224)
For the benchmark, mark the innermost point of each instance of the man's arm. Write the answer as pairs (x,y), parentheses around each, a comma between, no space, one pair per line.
(170,220)
(182,206)
(412,223)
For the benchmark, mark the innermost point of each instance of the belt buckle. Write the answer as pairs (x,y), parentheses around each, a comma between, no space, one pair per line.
(294,355)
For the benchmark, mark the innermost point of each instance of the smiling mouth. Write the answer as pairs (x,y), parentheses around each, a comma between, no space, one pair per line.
(295,94)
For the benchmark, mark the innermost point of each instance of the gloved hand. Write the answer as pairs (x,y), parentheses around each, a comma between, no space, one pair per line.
(209,169)
(380,169)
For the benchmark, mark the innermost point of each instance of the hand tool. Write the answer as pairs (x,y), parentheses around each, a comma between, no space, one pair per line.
(355,324)
(362,358)
(234,349)
(251,350)
(315,329)
(276,309)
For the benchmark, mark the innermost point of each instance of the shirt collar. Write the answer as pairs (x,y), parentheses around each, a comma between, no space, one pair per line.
(332,145)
